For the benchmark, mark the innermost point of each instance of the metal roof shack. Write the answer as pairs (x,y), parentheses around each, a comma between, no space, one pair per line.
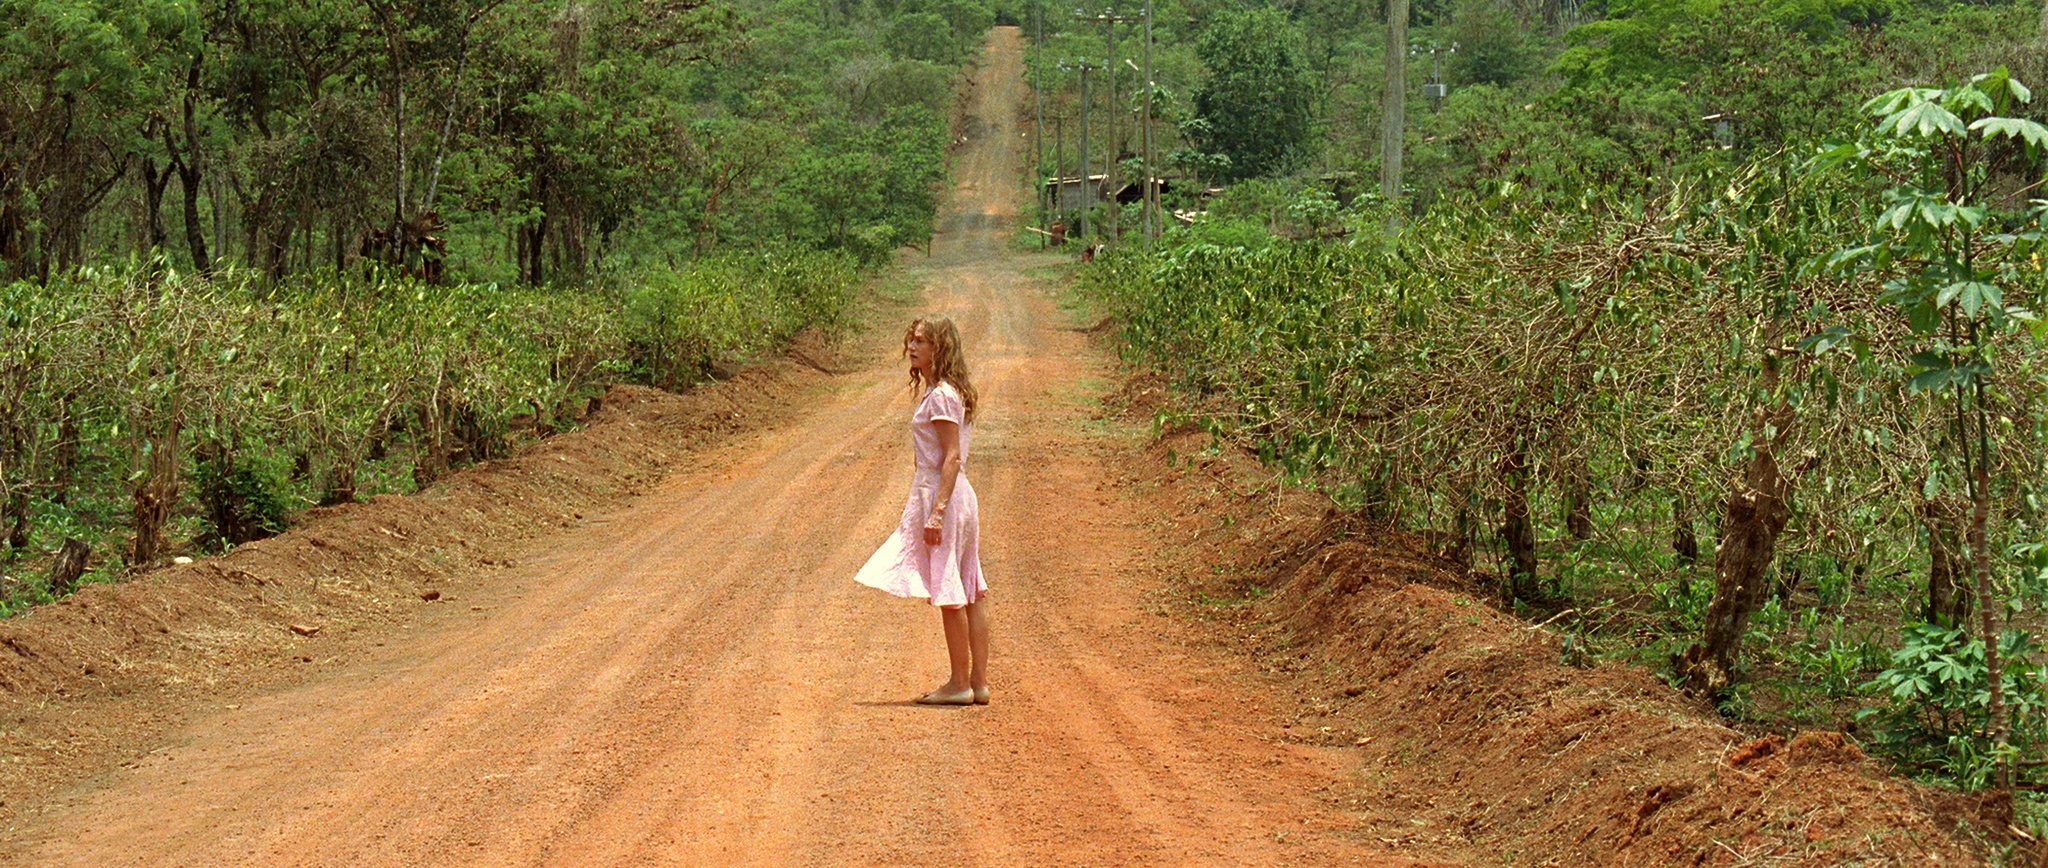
(1076,193)
(1133,192)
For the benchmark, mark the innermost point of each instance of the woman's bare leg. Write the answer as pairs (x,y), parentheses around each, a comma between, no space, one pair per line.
(977,644)
(957,622)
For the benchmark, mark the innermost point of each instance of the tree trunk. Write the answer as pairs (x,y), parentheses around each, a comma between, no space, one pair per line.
(153,499)
(1948,596)
(1752,516)
(17,520)
(152,510)
(1516,530)
(191,169)
(1394,103)
(68,566)
(432,462)
(1462,545)
(14,453)
(1682,539)
(1987,623)
(65,472)
(341,483)
(13,222)
(277,249)
(156,492)
(1578,513)
(154,183)
(195,231)
(251,211)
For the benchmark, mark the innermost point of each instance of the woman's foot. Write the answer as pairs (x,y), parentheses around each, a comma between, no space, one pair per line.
(981,695)
(942,696)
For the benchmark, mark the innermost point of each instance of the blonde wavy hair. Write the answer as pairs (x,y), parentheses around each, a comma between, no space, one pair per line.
(949,364)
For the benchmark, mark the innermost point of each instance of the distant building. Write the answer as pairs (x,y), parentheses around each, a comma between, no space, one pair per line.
(1075,194)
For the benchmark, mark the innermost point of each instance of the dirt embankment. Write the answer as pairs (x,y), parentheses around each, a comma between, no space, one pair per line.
(1476,736)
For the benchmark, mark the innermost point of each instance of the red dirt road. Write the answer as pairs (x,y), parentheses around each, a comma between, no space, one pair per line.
(697,680)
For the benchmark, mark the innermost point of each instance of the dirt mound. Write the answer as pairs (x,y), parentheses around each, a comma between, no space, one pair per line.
(84,680)
(1474,733)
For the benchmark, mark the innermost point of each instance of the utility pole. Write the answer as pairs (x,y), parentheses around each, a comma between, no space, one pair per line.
(1152,220)
(1038,113)
(1110,20)
(1085,180)
(1435,90)
(1395,102)
(1059,164)
(1084,67)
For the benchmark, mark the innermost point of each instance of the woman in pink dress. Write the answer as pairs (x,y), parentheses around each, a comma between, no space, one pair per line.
(933,554)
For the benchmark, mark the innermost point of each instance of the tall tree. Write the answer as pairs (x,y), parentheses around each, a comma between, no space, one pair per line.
(81,74)
(1256,102)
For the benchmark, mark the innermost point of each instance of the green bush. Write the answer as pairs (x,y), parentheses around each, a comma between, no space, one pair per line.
(1937,704)
(245,496)
(129,400)
(682,326)
(1509,355)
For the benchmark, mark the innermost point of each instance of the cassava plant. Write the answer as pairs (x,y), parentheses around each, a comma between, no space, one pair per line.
(1952,254)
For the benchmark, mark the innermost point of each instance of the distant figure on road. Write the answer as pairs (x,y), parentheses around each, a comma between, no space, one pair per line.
(934,553)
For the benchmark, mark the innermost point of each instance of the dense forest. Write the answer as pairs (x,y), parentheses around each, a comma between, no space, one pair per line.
(496,140)
(1705,333)
(258,256)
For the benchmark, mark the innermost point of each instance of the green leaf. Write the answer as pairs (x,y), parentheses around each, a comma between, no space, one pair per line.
(1835,155)
(2035,135)
(1928,359)
(1938,372)
(1948,293)
(1924,120)
(1971,295)
(1826,339)
(1890,102)
(2000,84)
(1962,99)
(1896,216)
(1852,256)
(1937,213)
(1950,670)
(2019,91)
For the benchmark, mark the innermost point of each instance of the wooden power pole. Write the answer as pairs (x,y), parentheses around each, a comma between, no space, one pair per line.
(1038,117)
(1393,106)
(1109,19)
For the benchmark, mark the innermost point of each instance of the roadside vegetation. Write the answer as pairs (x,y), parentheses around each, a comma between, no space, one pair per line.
(257,256)
(1705,334)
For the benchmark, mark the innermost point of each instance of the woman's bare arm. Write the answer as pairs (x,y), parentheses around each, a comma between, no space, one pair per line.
(949,473)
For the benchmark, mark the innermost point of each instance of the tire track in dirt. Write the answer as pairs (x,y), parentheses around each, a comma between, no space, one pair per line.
(697,680)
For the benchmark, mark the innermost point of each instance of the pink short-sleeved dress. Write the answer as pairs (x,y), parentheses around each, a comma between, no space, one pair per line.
(948,574)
